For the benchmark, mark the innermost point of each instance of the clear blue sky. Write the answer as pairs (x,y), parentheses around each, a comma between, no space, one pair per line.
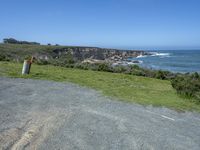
(137,24)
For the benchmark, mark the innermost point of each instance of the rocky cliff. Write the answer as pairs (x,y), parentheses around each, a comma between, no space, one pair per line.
(82,53)
(19,52)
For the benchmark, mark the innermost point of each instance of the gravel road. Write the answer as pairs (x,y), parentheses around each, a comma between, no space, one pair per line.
(47,115)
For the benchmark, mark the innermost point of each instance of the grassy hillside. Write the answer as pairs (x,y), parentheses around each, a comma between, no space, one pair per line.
(19,48)
(17,52)
(128,88)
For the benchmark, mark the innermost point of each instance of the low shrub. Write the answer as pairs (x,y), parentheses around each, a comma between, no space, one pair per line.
(3,58)
(160,75)
(138,72)
(187,85)
(104,67)
(119,69)
(41,62)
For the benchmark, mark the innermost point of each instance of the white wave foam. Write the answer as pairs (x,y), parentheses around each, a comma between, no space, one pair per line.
(133,63)
(141,56)
(160,54)
(140,61)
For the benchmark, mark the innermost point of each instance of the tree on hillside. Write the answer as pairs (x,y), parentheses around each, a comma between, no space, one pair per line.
(10,40)
(14,41)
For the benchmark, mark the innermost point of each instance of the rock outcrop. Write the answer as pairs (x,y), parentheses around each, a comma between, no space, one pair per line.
(82,53)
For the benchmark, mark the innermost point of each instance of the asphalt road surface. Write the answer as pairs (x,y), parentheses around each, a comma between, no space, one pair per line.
(47,115)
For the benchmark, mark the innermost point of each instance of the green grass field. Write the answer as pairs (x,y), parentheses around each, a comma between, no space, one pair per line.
(128,88)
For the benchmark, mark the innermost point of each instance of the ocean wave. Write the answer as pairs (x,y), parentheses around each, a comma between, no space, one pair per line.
(141,56)
(133,63)
(136,62)
(160,54)
(140,61)
(125,63)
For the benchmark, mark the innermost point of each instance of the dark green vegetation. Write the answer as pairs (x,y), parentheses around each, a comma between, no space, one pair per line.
(187,85)
(128,88)
(14,41)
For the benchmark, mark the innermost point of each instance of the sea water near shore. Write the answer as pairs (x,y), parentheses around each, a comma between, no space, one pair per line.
(172,60)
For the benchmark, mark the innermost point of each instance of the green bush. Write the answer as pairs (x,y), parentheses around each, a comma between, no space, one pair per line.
(133,67)
(104,67)
(84,66)
(150,73)
(187,85)
(2,57)
(160,75)
(119,69)
(138,72)
(41,62)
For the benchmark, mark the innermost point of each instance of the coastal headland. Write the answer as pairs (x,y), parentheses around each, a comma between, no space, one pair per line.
(17,52)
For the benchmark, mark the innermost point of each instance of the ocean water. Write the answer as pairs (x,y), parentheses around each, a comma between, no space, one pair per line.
(172,60)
